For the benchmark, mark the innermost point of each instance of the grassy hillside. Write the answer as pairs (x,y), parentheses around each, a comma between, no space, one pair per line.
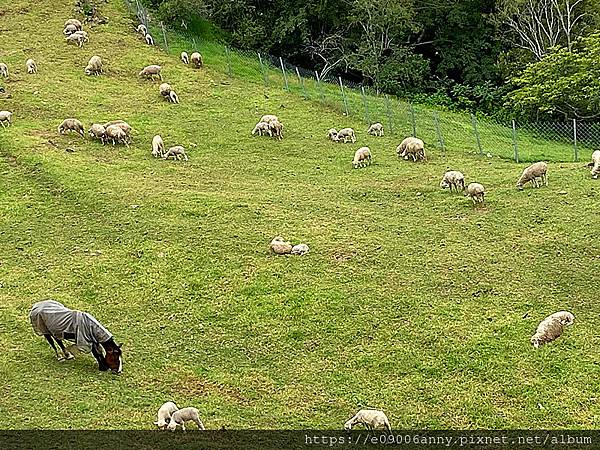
(411,300)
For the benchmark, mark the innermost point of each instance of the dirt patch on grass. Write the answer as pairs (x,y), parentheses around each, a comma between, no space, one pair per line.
(195,386)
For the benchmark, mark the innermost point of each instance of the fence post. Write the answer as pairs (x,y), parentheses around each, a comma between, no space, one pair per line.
(320,87)
(476,131)
(301,81)
(365,104)
(344,96)
(389,113)
(287,87)
(438,131)
(514,137)
(412,119)
(262,69)
(227,53)
(575,149)
(162,26)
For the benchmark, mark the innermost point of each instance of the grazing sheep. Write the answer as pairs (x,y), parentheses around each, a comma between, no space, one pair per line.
(70,29)
(71,125)
(176,152)
(476,192)
(3,70)
(184,415)
(373,419)
(300,249)
(362,157)
(269,118)
(595,164)
(262,128)
(121,124)
(346,133)
(453,178)
(141,28)
(5,118)
(173,97)
(185,58)
(412,146)
(164,414)
(276,129)
(151,71)
(280,247)
(98,131)
(158,146)
(532,173)
(196,59)
(76,23)
(376,129)
(332,134)
(149,39)
(551,328)
(94,66)
(31,66)
(79,38)
(116,135)
(165,89)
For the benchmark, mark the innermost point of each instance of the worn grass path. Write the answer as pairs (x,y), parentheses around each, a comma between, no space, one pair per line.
(411,299)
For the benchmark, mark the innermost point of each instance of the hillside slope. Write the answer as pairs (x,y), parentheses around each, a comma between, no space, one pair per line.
(411,299)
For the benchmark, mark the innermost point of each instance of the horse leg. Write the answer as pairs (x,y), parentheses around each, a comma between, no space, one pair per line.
(100,358)
(51,342)
(67,353)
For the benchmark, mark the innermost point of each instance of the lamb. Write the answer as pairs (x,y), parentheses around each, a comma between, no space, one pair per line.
(94,66)
(196,59)
(3,70)
(346,133)
(371,418)
(476,192)
(376,129)
(332,134)
(158,146)
(150,71)
(70,29)
(532,173)
(164,414)
(551,328)
(71,125)
(300,249)
(184,415)
(116,135)
(595,164)
(141,28)
(362,157)
(5,118)
(280,247)
(453,178)
(98,131)
(185,58)
(412,146)
(149,39)
(176,152)
(76,23)
(31,66)
(262,128)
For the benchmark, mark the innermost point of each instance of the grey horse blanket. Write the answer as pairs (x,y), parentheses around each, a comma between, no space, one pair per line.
(52,317)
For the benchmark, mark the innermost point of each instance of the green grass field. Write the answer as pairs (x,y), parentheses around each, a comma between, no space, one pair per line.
(411,299)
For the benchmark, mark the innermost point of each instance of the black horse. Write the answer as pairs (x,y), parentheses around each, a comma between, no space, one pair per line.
(55,321)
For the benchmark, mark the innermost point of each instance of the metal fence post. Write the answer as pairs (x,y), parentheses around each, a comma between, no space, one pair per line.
(365,104)
(227,53)
(438,131)
(514,137)
(344,96)
(412,119)
(287,87)
(389,113)
(320,87)
(301,81)
(575,149)
(262,69)
(162,26)
(476,131)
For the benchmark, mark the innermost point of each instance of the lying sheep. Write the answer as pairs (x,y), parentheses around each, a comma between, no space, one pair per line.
(151,71)
(372,419)
(476,192)
(141,28)
(376,129)
(71,125)
(453,178)
(185,58)
(196,59)
(532,173)
(300,249)
(76,23)
(5,118)
(98,131)
(176,152)
(183,415)
(94,66)
(362,157)
(158,146)
(332,134)
(149,39)
(164,414)
(595,164)
(116,135)
(3,70)
(31,66)
(280,247)
(412,147)
(551,328)
(344,134)
(70,29)
(262,129)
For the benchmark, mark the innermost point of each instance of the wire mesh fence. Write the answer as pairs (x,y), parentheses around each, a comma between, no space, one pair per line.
(445,131)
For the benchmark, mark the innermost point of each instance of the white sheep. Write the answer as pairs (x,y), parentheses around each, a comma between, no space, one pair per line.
(94,66)
(185,58)
(121,124)
(5,117)
(76,23)
(476,191)
(149,39)
(276,129)
(453,178)
(376,129)
(262,128)
(176,152)
(280,247)
(595,164)
(158,146)
(412,147)
(332,134)
(566,318)
(372,419)
(362,157)
(346,133)
(164,89)
(183,415)
(151,71)
(141,28)
(71,125)
(300,249)
(70,29)
(551,328)
(3,70)
(269,118)
(164,414)
(98,131)
(31,66)
(173,97)
(196,59)
(532,173)
(116,135)
(79,38)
